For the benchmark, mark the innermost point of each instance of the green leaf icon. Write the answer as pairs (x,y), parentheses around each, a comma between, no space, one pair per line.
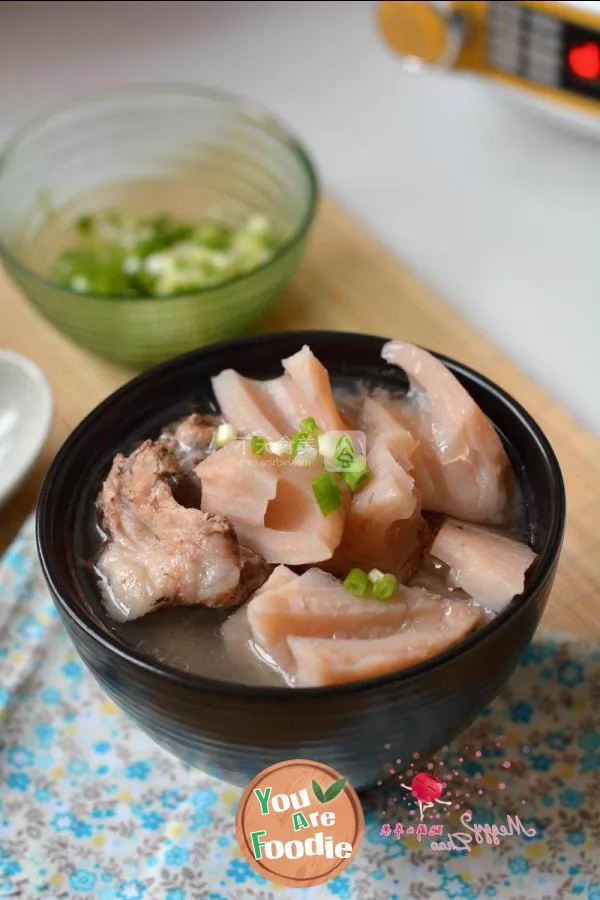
(318,792)
(344,452)
(334,789)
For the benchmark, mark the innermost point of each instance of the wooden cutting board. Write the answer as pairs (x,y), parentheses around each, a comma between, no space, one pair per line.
(348,281)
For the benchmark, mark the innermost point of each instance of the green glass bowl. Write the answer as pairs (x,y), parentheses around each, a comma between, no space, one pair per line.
(185,151)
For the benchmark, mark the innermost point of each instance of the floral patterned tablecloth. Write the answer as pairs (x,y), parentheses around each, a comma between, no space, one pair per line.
(91,808)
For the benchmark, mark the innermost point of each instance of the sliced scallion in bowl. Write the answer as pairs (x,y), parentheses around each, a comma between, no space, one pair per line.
(158,256)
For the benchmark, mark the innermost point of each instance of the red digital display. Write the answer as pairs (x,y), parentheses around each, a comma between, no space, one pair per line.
(584,61)
(581,60)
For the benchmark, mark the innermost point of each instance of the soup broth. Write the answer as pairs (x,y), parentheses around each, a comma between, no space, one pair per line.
(190,638)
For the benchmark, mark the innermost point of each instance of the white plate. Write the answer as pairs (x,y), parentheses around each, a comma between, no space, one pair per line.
(25,418)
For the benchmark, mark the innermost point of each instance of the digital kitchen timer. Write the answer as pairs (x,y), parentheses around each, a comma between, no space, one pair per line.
(552,49)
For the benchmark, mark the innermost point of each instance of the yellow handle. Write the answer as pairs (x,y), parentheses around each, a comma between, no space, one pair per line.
(415,30)
(456,35)
(450,34)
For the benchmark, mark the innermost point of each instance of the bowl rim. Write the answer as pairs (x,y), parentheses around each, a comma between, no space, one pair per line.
(45,411)
(546,562)
(248,110)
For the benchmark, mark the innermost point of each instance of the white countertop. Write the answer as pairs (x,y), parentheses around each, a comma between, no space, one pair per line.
(494,203)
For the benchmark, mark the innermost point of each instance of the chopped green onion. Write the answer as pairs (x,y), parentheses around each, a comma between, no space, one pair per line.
(226,433)
(375,575)
(215,236)
(328,494)
(384,587)
(172,257)
(356,582)
(84,225)
(356,480)
(258,444)
(310,426)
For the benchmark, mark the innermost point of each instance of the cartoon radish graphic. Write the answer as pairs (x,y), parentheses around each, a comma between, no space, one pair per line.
(426,789)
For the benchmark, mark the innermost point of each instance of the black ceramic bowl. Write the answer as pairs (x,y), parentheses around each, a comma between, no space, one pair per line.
(233,731)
